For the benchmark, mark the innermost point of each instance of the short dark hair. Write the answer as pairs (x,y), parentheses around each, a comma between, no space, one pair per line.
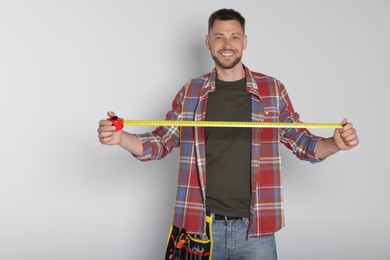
(226,15)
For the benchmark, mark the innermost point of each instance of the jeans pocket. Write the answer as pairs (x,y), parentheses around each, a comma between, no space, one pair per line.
(245,220)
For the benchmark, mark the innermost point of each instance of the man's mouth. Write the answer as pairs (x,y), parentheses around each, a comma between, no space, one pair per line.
(227,54)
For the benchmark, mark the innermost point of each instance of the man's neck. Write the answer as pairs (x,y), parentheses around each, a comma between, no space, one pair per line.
(233,74)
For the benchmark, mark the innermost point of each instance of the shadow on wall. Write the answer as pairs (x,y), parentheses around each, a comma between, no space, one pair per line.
(202,59)
(193,55)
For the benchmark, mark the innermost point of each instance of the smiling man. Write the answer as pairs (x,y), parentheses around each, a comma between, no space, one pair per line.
(226,41)
(229,194)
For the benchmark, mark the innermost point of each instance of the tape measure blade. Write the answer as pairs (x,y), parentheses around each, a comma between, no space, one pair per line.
(228,124)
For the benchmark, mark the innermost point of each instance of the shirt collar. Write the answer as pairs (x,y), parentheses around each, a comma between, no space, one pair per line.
(251,86)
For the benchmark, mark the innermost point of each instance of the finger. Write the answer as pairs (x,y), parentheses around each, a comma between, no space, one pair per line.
(353,142)
(106,128)
(347,132)
(105,138)
(347,127)
(105,122)
(350,138)
(106,134)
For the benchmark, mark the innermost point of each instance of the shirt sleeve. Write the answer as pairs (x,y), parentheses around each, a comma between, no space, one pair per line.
(299,140)
(160,142)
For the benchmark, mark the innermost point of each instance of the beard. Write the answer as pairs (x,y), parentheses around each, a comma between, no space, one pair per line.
(226,65)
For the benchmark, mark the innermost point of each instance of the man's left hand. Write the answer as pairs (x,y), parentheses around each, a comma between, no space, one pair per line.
(346,137)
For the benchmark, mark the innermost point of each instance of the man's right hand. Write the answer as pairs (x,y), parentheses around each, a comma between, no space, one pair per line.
(110,136)
(107,133)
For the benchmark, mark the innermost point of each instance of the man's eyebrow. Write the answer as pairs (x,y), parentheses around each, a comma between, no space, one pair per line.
(221,34)
(237,33)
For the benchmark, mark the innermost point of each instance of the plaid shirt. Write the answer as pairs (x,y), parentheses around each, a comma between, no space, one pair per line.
(270,103)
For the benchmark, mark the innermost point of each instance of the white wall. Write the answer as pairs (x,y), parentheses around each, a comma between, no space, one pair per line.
(63,64)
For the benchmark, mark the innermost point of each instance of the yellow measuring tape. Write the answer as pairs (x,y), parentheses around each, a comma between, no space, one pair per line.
(228,124)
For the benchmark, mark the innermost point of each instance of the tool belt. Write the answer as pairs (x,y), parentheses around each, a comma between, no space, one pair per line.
(183,246)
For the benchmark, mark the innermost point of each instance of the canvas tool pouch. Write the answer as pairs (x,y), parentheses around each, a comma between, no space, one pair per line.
(183,246)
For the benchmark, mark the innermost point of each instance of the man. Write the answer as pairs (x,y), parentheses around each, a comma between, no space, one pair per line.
(229,193)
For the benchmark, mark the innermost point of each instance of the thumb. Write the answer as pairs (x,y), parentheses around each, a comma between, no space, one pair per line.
(111,114)
(344,122)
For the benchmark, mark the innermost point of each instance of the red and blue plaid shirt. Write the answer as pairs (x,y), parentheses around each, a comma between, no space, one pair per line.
(270,103)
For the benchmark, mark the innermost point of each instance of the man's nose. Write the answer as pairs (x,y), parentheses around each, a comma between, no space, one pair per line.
(226,43)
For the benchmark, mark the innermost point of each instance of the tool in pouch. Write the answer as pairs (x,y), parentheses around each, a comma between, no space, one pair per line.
(119,123)
(183,246)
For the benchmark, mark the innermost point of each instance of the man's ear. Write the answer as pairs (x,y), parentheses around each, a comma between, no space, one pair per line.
(245,41)
(207,42)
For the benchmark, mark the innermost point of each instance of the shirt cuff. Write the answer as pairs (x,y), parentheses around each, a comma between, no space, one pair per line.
(144,138)
(314,158)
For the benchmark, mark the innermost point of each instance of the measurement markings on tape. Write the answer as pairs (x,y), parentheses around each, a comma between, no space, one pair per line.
(228,124)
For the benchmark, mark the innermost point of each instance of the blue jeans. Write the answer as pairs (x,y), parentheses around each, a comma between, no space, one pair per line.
(230,241)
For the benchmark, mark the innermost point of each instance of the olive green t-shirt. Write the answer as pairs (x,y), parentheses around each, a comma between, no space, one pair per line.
(228,150)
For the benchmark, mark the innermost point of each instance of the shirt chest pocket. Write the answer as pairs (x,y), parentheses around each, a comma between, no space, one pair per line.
(270,114)
(268,136)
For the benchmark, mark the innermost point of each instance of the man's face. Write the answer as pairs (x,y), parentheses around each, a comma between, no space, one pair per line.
(226,42)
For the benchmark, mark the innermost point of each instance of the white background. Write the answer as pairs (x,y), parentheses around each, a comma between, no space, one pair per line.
(64,64)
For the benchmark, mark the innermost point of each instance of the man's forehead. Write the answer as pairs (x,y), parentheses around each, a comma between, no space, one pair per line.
(230,26)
